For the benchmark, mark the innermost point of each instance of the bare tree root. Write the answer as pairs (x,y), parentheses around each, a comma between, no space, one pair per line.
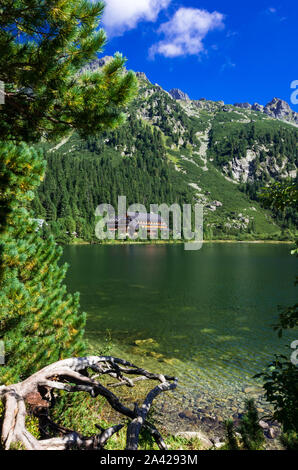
(72,375)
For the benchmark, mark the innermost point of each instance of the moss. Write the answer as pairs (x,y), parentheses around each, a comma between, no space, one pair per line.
(33,426)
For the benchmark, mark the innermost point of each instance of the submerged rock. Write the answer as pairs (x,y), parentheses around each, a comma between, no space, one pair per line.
(155,354)
(145,342)
(252,390)
(187,414)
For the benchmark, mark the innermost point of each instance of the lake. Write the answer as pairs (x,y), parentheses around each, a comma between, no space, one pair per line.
(203,315)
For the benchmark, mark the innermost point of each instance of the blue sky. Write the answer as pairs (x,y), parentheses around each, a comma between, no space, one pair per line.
(231,50)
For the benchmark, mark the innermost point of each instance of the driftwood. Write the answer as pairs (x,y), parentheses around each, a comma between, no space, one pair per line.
(73,375)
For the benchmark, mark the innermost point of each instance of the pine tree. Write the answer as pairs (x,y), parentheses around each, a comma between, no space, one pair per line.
(250,430)
(40,322)
(43,46)
(250,434)
(231,440)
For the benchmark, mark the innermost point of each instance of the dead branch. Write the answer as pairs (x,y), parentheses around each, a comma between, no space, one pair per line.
(72,375)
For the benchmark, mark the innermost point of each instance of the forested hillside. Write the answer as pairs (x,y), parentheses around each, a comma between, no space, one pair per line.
(173,151)
(84,173)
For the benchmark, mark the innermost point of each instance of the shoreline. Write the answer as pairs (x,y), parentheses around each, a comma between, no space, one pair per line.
(177,242)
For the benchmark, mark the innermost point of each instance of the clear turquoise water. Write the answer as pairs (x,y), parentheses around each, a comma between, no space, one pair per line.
(206,313)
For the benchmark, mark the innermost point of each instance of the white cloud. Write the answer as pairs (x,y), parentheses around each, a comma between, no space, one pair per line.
(122,15)
(227,65)
(272,11)
(184,33)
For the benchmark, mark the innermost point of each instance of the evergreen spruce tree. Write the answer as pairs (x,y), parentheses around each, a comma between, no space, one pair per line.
(44,44)
(231,440)
(250,434)
(250,430)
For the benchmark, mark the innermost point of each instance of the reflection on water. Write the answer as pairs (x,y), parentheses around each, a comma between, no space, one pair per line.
(208,312)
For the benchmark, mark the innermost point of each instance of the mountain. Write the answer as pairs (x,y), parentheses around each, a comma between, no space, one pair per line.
(174,149)
(178,94)
(96,64)
(280,109)
(277,109)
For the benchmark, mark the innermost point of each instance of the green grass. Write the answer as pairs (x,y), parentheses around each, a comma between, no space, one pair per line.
(220,189)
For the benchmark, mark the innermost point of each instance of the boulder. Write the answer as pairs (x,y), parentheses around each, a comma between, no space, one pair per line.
(271,433)
(263,424)
(205,441)
(219,445)
(217,203)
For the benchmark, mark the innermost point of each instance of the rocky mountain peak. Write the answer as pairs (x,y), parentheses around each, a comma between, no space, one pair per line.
(178,94)
(96,64)
(142,76)
(279,109)
(276,108)
(258,107)
(243,105)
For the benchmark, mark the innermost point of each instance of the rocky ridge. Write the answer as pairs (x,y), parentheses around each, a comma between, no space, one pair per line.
(277,109)
(210,144)
(178,94)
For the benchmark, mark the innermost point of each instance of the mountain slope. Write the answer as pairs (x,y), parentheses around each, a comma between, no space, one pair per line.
(173,150)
